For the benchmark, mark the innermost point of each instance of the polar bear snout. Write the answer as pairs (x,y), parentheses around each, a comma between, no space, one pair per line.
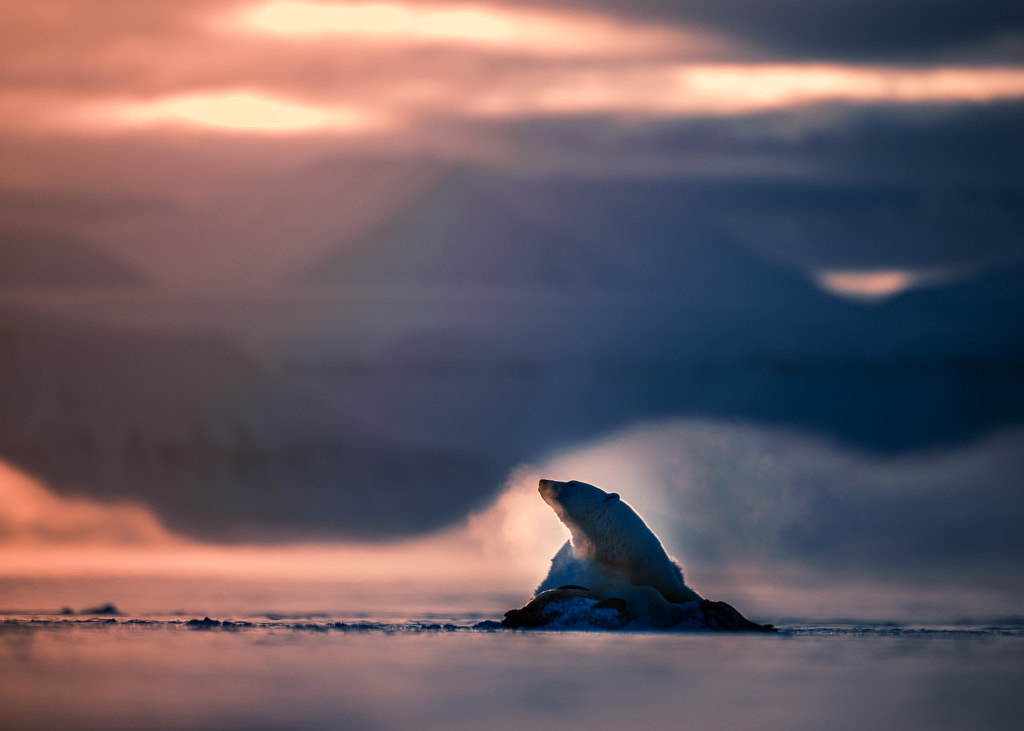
(554,492)
(548,489)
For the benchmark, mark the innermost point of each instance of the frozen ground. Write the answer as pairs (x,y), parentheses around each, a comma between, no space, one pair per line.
(438,672)
(321,655)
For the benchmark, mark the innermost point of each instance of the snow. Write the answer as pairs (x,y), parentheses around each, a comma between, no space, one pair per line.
(310,673)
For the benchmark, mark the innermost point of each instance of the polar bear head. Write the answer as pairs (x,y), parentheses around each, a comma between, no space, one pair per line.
(602,526)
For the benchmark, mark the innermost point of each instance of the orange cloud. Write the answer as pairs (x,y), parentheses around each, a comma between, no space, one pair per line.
(651,91)
(875,284)
(684,90)
(307,18)
(494,27)
(237,111)
(44,534)
(304,68)
(31,514)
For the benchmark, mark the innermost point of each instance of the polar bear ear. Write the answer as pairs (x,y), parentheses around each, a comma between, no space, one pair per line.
(614,496)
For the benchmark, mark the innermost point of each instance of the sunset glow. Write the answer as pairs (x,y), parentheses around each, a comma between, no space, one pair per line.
(44,534)
(873,285)
(468,23)
(493,27)
(303,18)
(32,516)
(712,90)
(748,87)
(315,18)
(306,68)
(656,92)
(234,111)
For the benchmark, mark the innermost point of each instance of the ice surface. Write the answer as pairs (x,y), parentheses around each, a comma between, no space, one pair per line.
(317,673)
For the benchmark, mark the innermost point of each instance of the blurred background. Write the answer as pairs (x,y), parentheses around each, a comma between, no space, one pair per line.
(346,272)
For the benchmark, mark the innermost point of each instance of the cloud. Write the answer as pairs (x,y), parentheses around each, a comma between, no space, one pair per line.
(875,285)
(31,514)
(235,111)
(645,91)
(279,67)
(720,494)
(696,90)
(837,29)
(495,28)
(500,548)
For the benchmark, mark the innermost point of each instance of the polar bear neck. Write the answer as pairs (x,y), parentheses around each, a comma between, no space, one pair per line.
(582,546)
(596,537)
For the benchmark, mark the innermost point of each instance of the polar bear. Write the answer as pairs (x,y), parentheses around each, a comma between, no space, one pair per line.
(610,549)
(613,571)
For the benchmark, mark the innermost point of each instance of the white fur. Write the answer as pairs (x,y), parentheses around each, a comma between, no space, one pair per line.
(611,550)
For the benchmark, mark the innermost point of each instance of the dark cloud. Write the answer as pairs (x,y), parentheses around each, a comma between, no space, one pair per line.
(809,223)
(872,189)
(875,30)
(861,227)
(210,439)
(497,321)
(928,146)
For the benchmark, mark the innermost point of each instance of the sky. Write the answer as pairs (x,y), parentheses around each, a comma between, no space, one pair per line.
(318,271)
(214,130)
